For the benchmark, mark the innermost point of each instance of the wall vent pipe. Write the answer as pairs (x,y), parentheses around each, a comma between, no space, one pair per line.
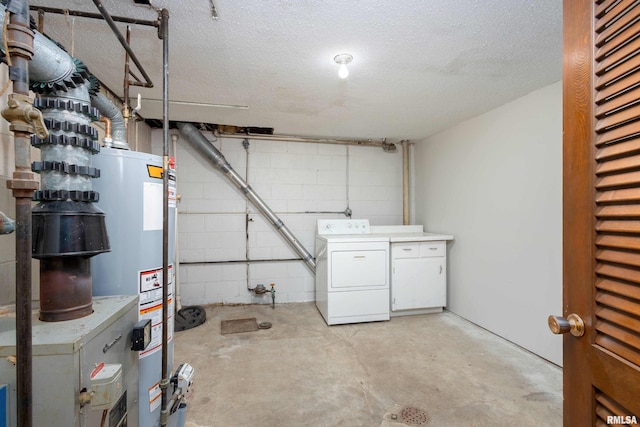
(202,144)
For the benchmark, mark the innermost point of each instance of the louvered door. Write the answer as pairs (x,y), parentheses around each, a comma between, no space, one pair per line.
(601,97)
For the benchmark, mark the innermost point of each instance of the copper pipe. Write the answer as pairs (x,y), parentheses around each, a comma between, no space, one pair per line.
(107,127)
(127,72)
(40,21)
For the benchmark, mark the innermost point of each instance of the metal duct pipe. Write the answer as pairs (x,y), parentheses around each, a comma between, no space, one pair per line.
(51,66)
(198,140)
(67,228)
(53,69)
(110,111)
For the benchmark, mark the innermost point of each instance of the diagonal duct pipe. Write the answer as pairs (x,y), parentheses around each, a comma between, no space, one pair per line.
(202,144)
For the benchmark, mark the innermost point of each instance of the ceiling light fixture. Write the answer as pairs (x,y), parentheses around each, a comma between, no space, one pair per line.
(343,59)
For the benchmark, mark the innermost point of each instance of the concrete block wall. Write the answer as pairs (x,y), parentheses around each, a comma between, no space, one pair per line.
(7,205)
(218,229)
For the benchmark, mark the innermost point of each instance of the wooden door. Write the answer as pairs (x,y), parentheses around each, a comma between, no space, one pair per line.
(601,108)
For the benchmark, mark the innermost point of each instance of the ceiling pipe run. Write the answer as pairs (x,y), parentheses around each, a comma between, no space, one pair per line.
(386,146)
(202,144)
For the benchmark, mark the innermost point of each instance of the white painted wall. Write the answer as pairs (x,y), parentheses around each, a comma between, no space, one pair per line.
(495,183)
(292,178)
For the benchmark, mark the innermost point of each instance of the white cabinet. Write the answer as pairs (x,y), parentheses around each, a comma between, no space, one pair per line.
(418,275)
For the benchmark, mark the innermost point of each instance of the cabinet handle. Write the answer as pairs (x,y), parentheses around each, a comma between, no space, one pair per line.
(407,249)
(440,269)
(433,249)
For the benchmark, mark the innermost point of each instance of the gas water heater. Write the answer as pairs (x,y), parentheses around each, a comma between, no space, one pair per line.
(131,196)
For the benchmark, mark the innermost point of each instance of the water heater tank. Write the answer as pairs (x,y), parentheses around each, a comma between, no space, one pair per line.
(131,196)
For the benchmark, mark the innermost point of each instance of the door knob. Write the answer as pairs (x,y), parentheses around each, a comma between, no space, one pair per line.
(573,323)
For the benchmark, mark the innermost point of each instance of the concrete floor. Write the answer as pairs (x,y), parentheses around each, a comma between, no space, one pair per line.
(303,373)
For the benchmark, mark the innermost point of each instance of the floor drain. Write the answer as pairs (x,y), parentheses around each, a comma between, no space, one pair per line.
(413,416)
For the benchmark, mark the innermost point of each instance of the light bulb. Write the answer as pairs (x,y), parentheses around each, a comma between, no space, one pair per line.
(342,60)
(343,71)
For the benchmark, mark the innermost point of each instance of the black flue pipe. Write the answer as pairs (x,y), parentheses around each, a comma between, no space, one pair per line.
(164,383)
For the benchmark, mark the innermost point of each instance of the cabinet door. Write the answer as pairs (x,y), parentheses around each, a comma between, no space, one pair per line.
(418,283)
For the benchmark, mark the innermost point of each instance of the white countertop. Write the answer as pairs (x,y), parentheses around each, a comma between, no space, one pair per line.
(407,233)
(414,237)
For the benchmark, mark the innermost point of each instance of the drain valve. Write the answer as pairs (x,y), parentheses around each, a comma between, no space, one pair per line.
(412,416)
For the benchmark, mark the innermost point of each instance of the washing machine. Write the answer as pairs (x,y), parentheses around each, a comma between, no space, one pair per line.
(352,272)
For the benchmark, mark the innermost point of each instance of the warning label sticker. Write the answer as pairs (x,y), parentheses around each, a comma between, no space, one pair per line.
(150,305)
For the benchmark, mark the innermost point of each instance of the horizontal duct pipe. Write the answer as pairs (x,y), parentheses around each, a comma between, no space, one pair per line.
(288,138)
(202,144)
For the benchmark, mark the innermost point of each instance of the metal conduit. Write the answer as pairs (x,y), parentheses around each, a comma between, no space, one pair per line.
(123,42)
(164,382)
(202,144)
(23,184)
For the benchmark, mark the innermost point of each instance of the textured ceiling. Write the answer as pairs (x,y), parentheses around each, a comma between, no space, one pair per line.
(419,67)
